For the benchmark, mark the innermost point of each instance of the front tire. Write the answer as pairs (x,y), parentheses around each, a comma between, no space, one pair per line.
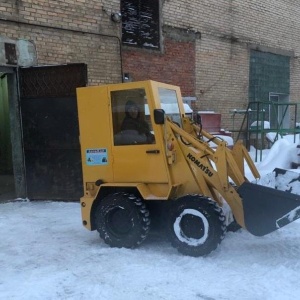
(196,225)
(122,220)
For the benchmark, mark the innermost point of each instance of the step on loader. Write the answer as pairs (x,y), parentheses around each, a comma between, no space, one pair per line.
(144,160)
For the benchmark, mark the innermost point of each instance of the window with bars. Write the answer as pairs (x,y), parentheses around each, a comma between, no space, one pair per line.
(140,23)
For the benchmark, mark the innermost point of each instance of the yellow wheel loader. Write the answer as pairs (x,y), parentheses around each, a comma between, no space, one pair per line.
(143,160)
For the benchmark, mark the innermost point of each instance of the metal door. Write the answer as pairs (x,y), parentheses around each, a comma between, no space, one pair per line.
(136,156)
(50,130)
(279,110)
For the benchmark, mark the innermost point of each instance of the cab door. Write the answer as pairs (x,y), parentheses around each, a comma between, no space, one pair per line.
(137,155)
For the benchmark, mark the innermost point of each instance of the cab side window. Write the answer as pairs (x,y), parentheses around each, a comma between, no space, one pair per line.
(131,123)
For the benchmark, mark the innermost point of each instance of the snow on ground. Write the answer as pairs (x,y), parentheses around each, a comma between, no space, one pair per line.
(45,253)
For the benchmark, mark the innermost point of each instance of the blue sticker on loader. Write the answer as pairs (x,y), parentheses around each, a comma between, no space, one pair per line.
(96,157)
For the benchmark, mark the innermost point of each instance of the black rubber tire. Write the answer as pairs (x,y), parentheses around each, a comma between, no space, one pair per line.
(122,220)
(196,225)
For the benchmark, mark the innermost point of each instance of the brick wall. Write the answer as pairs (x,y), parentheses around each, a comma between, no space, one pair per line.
(229,29)
(222,77)
(89,15)
(219,78)
(60,31)
(176,65)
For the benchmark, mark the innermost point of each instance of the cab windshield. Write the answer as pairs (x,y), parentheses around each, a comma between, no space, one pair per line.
(169,103)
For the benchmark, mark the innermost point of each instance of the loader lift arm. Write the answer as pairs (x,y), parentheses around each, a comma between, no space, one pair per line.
(212,169)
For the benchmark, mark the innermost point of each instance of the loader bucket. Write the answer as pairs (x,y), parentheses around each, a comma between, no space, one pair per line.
(267,209)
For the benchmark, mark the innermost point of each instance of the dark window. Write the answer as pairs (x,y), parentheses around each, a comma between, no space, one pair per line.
(140,23)
(269,72)
(131,118)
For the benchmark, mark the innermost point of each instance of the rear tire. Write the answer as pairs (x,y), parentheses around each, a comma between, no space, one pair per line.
(196,225)
(122,220)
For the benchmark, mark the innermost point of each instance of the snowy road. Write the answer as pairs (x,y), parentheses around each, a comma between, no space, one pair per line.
(45,253)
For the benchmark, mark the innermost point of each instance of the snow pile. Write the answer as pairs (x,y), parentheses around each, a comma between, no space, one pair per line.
(282,154)
(260,125)
(272,136)
(289,181)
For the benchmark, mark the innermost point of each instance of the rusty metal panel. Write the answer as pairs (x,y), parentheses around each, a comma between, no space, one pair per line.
(10,53)
(51,131)
(52,81)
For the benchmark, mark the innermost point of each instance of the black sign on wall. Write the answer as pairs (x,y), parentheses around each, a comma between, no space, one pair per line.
(140,23)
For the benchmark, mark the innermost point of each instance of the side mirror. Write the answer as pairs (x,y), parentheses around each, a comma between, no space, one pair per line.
(159,116)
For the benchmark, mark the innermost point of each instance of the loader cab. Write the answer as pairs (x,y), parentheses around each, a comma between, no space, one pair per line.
(138,142)
(130,127)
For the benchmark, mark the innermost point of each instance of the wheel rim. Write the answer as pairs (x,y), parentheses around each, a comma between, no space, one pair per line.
(118,221)
(191,227)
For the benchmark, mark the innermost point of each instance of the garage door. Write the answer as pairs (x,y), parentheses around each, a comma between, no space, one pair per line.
(50,130)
